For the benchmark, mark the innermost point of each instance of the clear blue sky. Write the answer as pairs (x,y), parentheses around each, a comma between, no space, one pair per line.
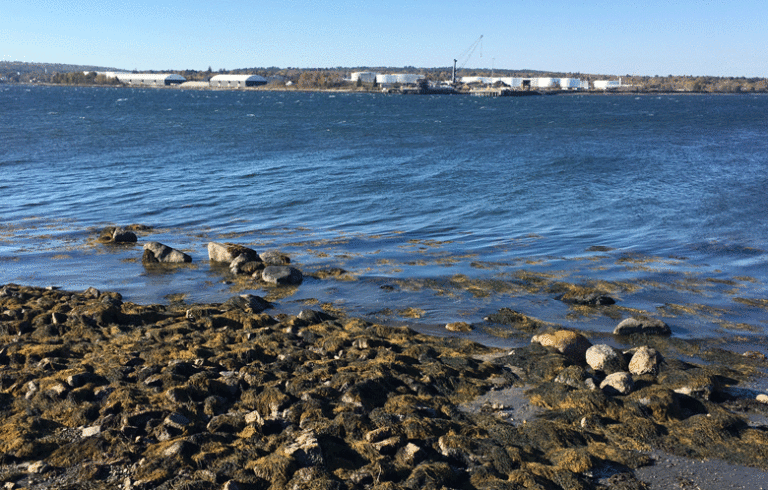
(652,37)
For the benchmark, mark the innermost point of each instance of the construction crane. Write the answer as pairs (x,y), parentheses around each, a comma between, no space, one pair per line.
(465,56)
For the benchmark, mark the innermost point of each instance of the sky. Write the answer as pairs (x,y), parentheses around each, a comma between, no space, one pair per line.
(668,37)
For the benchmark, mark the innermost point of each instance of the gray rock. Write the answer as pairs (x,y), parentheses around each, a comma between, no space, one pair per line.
(604,358)
(177,421)
(227,252)
(642,325)
(282,274)
(645,360)
(314,317)
(155,252)
(617,384)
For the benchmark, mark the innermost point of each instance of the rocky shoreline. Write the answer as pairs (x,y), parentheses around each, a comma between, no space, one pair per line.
(96,392)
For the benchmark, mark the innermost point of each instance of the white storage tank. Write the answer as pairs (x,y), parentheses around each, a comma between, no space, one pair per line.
(570,83)
(408,78)
(547,82)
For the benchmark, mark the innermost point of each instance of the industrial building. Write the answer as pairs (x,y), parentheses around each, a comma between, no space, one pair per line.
(534,83)
(147,79)
(237,81)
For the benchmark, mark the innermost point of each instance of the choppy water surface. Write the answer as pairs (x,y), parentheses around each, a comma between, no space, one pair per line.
(441,208)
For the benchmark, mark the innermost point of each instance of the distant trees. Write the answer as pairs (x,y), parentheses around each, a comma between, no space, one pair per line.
(80,78)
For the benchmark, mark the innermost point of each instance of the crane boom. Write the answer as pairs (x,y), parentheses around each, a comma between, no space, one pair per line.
(466,55)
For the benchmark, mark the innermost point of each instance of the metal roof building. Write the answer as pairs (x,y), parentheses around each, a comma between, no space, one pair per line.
(150,79)
(237,81)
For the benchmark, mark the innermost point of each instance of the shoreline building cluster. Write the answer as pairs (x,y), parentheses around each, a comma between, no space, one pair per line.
(512,82)
(166,79)
(533,83)
(381,79)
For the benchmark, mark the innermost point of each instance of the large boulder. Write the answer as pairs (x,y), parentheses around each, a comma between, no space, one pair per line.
(156,252)
(227,252)
(645,360)
(573,345)
(642,325)
(604,358)
(281,274)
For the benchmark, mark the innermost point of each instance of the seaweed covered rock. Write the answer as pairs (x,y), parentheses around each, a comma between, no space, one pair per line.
(224,396)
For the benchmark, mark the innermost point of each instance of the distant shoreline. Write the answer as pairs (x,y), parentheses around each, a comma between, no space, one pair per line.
(358,90)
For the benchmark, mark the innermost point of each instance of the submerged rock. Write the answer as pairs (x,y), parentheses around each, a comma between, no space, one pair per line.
(586,298)
(156,252)
(642,325)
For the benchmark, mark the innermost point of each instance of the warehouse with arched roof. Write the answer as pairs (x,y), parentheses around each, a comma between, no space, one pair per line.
(150,79)
(237,81)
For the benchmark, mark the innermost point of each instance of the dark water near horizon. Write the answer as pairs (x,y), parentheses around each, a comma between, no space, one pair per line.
(662,198)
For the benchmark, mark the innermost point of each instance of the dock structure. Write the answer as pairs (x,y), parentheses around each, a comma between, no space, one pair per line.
(501,92)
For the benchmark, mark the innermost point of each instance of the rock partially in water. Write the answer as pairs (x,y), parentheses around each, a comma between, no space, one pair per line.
(112,234)
(156,252)
(282,275)
(643,326)
(227,252)
(586,298)
(458,327)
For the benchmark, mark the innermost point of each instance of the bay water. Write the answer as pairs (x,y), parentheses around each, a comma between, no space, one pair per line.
(439,208)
